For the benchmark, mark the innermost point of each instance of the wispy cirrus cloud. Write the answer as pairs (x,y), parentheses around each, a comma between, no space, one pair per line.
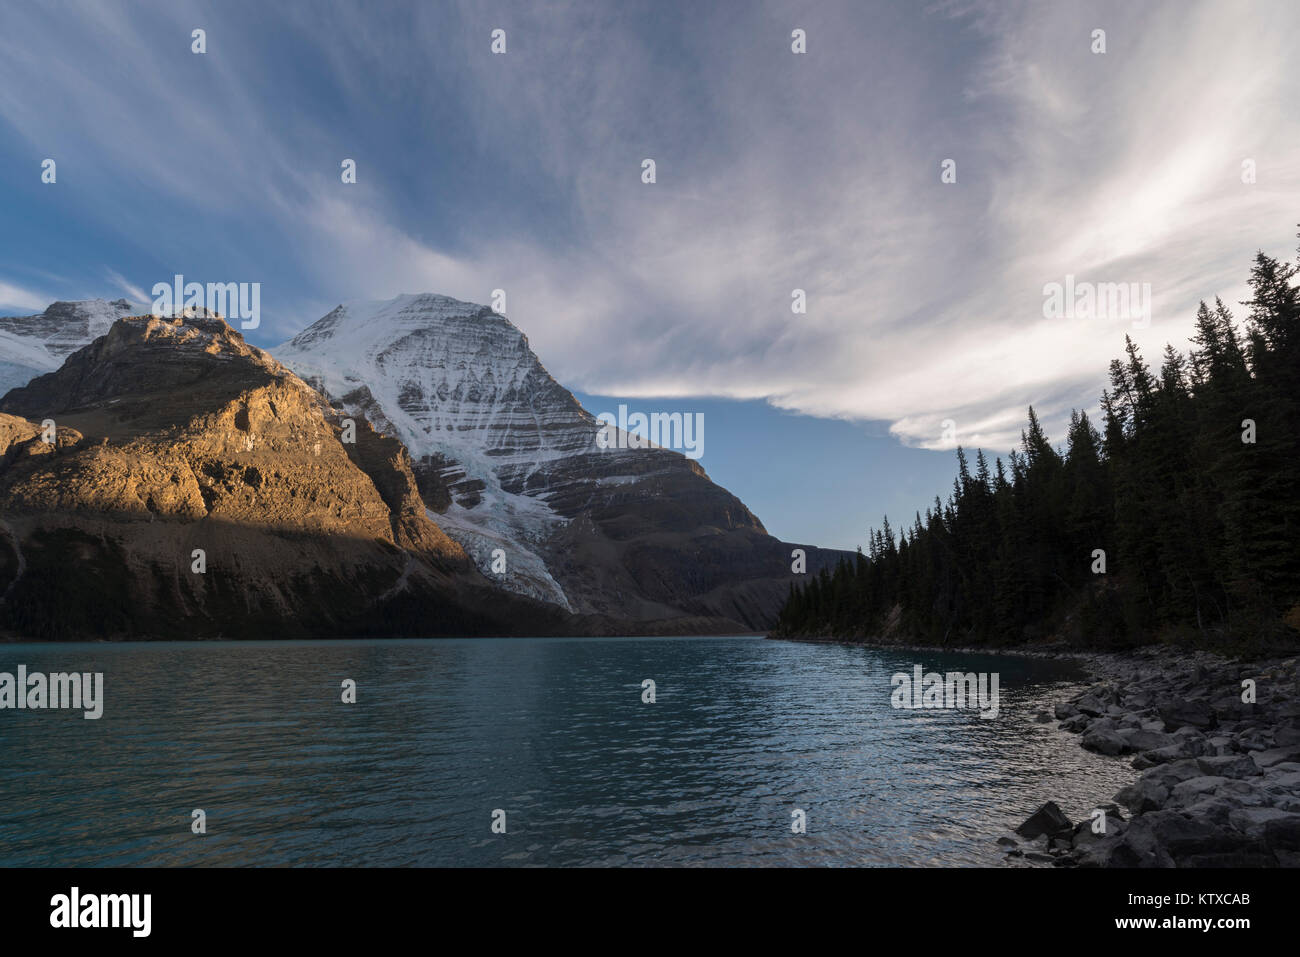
(776,171)
(133,292)
(18,297)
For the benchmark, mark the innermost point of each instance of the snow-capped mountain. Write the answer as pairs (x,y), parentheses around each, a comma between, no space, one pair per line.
(481,417)
(508,465)
(176,434)
(508,459)
(33,345)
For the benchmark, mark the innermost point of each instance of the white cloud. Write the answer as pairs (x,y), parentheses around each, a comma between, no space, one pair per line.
(776,171)
(925,300)
(134,293)
(16,297)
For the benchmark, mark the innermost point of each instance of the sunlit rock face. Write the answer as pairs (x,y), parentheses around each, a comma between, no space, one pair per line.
(170,442)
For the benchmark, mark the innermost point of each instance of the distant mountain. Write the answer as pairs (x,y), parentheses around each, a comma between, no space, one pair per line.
(506,458)
(174,435)
(33,345)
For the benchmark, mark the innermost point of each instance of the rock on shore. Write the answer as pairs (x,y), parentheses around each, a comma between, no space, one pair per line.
(1218,745)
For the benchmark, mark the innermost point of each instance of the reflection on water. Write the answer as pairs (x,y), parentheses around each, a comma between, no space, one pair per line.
(553,731)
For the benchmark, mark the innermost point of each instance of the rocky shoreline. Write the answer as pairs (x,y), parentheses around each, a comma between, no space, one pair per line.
(1217,743)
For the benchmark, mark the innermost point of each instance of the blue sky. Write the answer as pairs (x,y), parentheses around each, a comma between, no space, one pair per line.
(775,171)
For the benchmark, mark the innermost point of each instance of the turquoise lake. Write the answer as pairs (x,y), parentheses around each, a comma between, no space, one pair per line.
(553,732)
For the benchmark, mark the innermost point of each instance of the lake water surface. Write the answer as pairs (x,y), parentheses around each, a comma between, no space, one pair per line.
(552,731)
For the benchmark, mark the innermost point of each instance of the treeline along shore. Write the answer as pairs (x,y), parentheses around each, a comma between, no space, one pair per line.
(1175,521)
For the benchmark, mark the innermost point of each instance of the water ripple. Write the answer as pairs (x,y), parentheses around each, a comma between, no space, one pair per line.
(551,730)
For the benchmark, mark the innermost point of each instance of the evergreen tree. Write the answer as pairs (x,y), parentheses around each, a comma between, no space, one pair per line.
(1190,488)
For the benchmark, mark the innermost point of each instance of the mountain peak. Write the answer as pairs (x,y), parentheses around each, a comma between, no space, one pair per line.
(176,439)
(35,344)
(380,318)
(509,461)
(195,361)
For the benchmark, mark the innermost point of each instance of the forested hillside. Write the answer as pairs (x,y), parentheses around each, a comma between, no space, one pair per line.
(1176,517)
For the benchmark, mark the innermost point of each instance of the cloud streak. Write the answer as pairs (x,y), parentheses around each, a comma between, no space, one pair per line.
(18,297)
(775,171)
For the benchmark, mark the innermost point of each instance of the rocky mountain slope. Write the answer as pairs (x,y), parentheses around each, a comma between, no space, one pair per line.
(169,480)
(506,458)
(33,345)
